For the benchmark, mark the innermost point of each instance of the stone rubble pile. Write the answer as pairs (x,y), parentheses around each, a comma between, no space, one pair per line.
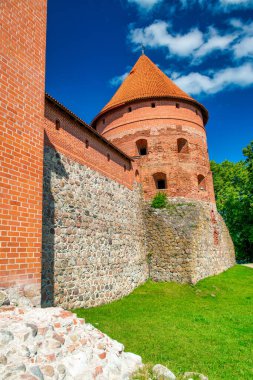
(52,343)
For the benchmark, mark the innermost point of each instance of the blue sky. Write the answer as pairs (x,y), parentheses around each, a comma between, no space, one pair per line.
(205,46)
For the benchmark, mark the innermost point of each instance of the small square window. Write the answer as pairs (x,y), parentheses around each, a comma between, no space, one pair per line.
(161,184)
(153,105)
(177,105)
(129,109)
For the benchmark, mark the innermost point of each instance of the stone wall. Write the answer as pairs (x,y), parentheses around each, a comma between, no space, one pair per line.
(93,235)
(187,241)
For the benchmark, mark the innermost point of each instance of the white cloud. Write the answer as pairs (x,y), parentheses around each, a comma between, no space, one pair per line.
(218,5)
(244,45)
(236,3)
(244,48)
(215,41)
(196,83)
(194,43)
(156,35)
(145,4)
(116,81)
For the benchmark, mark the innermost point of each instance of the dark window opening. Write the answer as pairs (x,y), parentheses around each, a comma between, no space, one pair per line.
(196,112)
(153,105)
(177,105)
(142,147)
(129,109)
(87,144)
(160,181)
(124,168)
(143,151)
(201,182)
(161,184)
(57,124)
(95,126)
(182,146)
(108,157)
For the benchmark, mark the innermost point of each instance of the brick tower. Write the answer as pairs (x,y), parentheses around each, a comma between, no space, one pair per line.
(22,80)
(163,129)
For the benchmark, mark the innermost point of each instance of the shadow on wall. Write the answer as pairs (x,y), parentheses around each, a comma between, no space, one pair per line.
(50,168)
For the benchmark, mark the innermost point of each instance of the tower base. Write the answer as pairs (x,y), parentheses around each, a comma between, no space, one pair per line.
(187,241)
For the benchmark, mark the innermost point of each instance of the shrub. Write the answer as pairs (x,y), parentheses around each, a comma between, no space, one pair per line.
(159,201)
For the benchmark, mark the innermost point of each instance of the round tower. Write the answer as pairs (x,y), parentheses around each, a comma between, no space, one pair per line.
(163,129)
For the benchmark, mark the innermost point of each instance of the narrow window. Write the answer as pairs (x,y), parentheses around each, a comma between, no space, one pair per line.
(95,126)
(129,109)
(142,147)
(177,105)
(108,157)
(182,146)
(57,124)
(196,112)
(160,181)
(124,168)
(87,144)
(152,105)
(201,182)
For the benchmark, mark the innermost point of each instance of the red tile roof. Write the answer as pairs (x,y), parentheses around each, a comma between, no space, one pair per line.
(146,80)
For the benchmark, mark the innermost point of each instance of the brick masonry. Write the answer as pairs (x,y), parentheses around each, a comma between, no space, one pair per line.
(22,67)
(161,127)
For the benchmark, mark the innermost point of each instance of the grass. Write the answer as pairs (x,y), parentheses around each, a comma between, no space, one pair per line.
(205,328)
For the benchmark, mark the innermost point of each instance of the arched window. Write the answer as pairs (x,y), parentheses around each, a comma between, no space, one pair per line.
(142,147)
(182,146)
(201,182)
(160,181)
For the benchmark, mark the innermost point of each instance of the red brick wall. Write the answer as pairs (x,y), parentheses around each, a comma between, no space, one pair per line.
(162,126)
(22,61)
(71,140)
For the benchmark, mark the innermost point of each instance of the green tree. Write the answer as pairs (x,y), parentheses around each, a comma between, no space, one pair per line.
(233,186)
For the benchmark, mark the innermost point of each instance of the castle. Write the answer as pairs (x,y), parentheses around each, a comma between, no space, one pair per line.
(77,228)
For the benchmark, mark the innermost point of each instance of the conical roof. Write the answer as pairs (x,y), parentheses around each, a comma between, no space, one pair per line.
(146,80)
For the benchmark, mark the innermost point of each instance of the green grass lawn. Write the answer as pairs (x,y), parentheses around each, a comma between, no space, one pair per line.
(206,328)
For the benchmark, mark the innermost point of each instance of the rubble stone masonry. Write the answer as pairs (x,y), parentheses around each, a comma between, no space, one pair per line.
(93,235)
(187,242)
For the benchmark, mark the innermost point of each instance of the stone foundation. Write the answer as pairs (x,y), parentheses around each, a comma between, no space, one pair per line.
(187,242)
(93,236)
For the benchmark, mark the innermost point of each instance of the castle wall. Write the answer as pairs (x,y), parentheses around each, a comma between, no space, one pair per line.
(22,63)
(93,232)
(161,127)
(187,242)
(84,145)
(93,235)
